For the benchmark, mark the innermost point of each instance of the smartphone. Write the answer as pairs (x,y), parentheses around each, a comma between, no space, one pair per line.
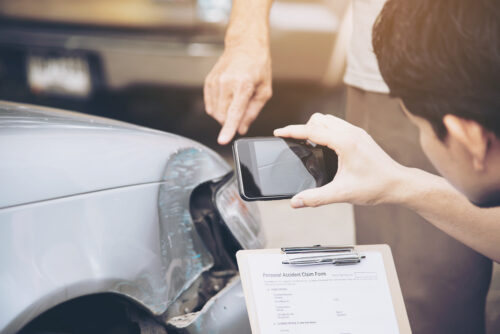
(270,168)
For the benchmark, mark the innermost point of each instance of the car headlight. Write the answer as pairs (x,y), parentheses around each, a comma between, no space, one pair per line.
(242,218)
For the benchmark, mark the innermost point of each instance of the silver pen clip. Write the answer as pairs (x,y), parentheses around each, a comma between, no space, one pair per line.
(344,258)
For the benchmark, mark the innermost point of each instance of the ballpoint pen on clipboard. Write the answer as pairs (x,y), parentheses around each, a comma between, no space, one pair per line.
(336,255)
(317,249)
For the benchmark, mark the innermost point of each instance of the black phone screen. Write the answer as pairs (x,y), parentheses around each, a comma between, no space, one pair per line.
(279,168)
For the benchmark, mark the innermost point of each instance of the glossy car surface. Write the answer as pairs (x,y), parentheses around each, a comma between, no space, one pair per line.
(92,206)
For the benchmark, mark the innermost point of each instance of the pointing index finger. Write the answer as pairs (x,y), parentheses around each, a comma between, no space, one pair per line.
(234,115)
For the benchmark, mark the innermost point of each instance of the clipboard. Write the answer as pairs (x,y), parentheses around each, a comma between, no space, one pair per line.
(396,297)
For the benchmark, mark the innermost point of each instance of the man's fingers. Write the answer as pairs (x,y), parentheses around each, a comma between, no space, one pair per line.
(253,110)
(224,97)
(207,96)
(298,131)
(234,115)
(315,197)
(255,106)
(312,128)
(324,130)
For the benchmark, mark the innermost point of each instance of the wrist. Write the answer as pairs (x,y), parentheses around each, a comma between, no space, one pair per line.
(249,23)
(403,186)
(252,37)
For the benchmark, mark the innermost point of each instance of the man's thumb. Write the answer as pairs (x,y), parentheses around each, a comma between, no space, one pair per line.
(312,197)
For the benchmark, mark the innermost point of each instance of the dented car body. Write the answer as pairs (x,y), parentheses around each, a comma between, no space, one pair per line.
(90,206)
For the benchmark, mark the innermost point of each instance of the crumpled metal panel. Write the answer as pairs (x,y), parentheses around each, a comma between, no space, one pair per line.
(184,256)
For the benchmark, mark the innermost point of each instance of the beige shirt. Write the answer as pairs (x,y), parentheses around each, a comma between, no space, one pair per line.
(362,67)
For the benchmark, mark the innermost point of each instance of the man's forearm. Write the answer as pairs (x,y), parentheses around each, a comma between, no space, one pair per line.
(442,205)
(249,22)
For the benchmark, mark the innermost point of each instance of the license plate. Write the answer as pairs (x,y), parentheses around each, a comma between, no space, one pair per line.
(59,75)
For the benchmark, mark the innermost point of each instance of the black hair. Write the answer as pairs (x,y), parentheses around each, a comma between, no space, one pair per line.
(442,57)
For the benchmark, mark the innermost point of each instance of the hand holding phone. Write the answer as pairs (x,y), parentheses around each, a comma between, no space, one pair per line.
(366,174)
(275,168)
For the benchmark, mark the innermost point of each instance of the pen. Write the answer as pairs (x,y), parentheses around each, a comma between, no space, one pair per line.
(317,249)
(338,259)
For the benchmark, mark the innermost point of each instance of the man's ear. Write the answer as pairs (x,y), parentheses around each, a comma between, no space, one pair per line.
(471,135)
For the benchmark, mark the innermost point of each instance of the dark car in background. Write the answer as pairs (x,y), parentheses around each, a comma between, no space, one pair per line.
(74,48)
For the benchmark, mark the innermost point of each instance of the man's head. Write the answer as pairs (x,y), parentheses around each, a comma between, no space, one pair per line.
(442,58)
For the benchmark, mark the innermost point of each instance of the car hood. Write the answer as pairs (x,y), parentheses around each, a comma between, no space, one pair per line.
(47,154)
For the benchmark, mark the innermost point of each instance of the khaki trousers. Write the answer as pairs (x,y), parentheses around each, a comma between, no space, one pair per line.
(444,282)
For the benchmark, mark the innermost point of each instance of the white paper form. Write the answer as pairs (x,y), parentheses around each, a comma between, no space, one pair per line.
(352,299)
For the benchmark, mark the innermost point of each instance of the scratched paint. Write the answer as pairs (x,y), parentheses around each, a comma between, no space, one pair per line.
(184,256)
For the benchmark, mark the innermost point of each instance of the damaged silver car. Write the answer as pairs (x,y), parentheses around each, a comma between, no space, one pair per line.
(106,227)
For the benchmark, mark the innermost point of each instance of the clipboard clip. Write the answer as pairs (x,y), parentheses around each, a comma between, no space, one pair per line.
(344,255)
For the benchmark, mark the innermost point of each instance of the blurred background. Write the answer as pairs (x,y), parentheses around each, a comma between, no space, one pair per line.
(145,61)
